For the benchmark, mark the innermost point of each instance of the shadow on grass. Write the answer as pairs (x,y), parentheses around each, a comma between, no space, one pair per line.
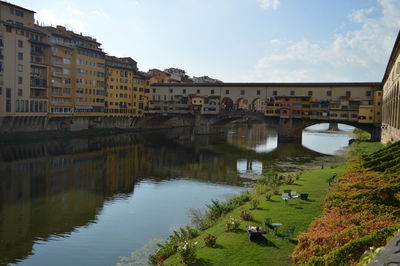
(296,184)
(203,261)
(271,200)
(262,241)
(299,208)
(309,200)
(218,246)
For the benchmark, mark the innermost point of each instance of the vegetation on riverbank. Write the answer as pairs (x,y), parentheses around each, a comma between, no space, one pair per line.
(361,211)
(235,248)
(361,134)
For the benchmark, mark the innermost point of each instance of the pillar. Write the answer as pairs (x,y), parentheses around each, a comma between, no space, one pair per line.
(290,130)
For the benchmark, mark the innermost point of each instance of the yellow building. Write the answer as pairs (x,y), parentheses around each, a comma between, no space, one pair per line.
(141,93)
(77,74)
(119,86)
(158,76)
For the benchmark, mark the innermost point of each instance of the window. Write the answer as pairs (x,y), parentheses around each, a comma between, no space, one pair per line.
(66,71)
(67,61)
(292,93)
(1,90)
(20,68)
(20,80)
(154,90)
(329,93)
(19,92)
(275,93)
(19,13)
(8,92)
(198,91)
(242,92)
(368,93)
(212,92)
(348,93)
(258,92)
(20,44)
(309,93)
(184,91)
(226,91)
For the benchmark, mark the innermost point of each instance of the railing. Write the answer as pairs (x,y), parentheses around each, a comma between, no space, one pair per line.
(38,95)
(39,83)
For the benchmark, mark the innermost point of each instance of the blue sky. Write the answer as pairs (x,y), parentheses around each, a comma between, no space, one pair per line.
(239,40)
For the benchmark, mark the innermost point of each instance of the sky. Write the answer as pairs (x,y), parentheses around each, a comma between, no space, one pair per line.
(239,40)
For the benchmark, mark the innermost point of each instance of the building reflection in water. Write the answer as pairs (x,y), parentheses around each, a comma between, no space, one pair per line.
(51,188)
(257,137)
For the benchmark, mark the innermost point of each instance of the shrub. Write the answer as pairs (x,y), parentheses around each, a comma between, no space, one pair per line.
(210,241)
(216,209)
(171,244)
(232,224)
(268,196)
(290,179)
(254,203)
(199,219)
(261,188)
(355,248)
(240,200)
(275,189)
(246,215)
(187,252)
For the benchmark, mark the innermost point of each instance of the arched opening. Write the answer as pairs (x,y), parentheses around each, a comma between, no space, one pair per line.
(257,105)
(328,138)
(242,104)
(227,104)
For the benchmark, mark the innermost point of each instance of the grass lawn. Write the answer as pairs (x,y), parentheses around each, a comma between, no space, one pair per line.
(358,148)
(237,249)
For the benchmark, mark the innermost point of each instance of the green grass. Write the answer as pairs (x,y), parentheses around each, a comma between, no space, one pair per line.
(358,148)
(237,249)
(361,134)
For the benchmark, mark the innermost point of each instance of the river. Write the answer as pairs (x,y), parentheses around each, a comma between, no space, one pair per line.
(92,200)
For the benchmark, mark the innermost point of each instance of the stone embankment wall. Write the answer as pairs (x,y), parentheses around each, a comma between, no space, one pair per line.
(9,125)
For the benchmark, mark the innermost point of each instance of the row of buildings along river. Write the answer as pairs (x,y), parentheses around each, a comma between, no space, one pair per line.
(51,74)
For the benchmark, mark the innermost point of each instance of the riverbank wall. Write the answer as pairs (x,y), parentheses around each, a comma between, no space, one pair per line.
(32,127)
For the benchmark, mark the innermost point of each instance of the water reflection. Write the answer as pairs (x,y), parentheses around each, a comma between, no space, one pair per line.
(315,138)
(74,198)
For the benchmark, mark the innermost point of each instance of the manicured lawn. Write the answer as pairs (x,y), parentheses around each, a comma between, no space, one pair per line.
(358,148)
(237,249)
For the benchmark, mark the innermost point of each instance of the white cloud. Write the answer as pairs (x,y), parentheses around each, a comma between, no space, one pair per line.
(72,19)
(357,55)
(266,4)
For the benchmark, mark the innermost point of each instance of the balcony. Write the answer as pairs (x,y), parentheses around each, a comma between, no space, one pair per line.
(57,63)
(41,83)
(37,52)
(38,94)
(55,73)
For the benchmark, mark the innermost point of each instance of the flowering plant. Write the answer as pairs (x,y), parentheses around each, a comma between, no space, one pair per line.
(246,215)
(187,251)
(210,241)
(232,224)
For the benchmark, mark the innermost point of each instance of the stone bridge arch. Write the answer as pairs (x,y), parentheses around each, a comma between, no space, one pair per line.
(227,104)
(291,130)
(242,104)
(257,105)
